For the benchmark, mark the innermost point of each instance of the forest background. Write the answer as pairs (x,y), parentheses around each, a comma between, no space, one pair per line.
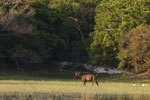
(110,33)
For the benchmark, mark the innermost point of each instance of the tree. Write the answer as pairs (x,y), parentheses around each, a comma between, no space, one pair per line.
(78,22)
(15,27)
(113,18)
(46,29)
(26,33)
(134,49)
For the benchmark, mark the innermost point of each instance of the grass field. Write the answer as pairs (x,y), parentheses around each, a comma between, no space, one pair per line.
(46,83)
(73,87)
(65,83)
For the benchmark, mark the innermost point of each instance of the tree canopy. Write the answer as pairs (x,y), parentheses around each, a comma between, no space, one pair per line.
(33,32)
(98,32)
(114,18)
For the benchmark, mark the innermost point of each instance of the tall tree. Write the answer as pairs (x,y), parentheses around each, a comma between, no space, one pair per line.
(113,18)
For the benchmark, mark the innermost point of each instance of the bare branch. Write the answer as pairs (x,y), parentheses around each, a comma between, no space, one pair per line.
(78,27)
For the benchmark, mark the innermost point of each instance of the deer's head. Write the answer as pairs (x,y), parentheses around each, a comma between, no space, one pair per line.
(77,75)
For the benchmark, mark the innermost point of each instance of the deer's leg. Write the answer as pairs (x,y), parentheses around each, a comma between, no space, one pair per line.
(92,83)
(96,83)
(84,82)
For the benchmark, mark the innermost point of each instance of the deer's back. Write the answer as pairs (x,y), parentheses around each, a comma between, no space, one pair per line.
(88,77)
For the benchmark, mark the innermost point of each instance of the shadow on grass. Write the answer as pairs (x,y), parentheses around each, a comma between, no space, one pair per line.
(32,75)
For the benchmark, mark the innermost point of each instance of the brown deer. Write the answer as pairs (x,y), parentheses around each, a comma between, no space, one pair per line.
(86,78)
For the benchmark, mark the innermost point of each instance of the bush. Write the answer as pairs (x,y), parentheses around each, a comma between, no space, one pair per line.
(134,49)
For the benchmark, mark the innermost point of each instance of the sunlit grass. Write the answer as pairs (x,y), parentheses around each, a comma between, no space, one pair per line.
(73,87)
(58,86)
(65,83)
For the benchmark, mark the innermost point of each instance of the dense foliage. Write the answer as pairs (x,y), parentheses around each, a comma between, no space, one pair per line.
(33,32)
(134,49)
(114,18)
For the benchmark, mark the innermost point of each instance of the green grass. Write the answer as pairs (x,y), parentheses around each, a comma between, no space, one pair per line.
(64,83)
(72,87)
(39,85)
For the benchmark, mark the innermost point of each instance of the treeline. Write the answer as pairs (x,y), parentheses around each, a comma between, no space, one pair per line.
(33,32)
(121,34)
(112,33)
